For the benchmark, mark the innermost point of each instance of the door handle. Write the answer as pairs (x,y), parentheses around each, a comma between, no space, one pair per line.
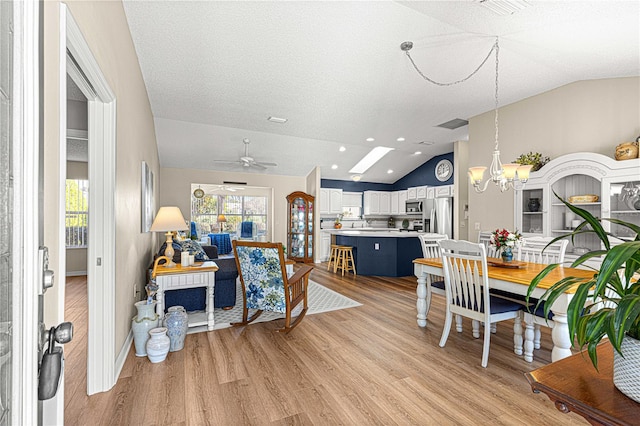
(53,360)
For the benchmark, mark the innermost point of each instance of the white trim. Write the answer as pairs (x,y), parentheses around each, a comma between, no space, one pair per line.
(25,159)
(101,362)
(124,352)
(76,273)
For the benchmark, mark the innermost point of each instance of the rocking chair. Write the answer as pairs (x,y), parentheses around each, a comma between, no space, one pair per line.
(265,284)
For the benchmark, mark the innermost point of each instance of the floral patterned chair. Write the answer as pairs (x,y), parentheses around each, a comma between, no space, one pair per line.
(265,284)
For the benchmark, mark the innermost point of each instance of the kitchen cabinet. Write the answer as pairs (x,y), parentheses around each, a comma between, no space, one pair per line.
(443,191)
(421,192)
(539,213)
(300,231)
(330,201)
(377,203)
(402,202)
(431,193)
(325,246)
(412,193)
(394,203)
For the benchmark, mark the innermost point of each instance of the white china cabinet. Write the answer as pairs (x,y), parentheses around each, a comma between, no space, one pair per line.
(616,184)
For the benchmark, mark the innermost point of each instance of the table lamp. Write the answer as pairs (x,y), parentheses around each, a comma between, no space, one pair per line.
(167,220)
(221,220)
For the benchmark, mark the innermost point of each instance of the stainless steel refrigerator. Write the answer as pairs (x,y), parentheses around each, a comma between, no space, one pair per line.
(437,215)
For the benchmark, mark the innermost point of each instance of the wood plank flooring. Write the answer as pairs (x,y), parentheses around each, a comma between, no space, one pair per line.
(366,365)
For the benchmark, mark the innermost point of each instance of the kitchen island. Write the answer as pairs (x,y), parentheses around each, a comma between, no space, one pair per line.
(382,252)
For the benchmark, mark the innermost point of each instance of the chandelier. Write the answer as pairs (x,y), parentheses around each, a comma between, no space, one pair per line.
(503,175)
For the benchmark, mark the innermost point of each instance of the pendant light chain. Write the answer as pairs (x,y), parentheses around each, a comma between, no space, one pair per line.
(484,61)
(497,48)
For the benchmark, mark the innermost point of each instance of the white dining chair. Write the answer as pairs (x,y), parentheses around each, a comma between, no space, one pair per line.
(467,292)
(430,248)
(484,238)
(538,250)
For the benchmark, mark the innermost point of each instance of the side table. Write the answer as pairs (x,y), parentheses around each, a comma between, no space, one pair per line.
(575,386)
(199,275)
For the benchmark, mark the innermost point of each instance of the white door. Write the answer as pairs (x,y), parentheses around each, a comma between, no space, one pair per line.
(21,216)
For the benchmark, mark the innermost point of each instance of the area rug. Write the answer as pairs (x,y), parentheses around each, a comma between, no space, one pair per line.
(320,299)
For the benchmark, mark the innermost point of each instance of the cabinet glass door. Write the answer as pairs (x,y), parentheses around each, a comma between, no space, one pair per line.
(624,199)
(532,211)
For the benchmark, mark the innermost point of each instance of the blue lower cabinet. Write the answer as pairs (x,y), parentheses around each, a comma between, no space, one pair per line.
(383,256)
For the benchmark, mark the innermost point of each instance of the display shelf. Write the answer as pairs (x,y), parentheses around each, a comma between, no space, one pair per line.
(597,203)
(625,212)
(534,213)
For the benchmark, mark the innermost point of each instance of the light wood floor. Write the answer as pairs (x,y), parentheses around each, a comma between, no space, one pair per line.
(359,366)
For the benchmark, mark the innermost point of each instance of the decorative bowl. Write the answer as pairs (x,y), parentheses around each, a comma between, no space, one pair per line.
(589,198)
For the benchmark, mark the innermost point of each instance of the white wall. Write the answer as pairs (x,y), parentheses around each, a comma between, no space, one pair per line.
(176,191)
(105,28)
(313,188)
(589,116)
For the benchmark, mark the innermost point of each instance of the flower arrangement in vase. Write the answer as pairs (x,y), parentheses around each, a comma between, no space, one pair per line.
(505,241)
(337,224)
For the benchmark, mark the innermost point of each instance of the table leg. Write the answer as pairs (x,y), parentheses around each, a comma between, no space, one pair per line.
(210,307)
(421,303)
(560,336)
(517,335)
(528,339)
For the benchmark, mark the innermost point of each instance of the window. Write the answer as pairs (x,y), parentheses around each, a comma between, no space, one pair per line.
(235,208)
(77,213)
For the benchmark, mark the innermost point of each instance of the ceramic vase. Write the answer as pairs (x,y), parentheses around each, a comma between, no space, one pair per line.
(158,344)
(177,322)
(507,254)
(533,204)
(145,320)
(626,371)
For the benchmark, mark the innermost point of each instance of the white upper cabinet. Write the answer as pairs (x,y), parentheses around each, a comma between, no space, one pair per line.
(385,202)
(395,206)
(421,192)
(412,193)
(330,201)
(402,202)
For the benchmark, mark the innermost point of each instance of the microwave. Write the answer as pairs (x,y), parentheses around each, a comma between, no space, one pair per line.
(414,207)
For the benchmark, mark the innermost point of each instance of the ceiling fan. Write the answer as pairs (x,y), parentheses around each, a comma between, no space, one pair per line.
(226,187)
(246,160)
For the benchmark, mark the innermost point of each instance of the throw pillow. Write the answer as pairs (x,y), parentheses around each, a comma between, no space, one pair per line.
(194,248)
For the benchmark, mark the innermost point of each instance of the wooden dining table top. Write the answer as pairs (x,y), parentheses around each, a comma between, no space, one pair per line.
(524,274)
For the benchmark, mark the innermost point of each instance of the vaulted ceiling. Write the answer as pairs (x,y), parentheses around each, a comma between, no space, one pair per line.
(216,70)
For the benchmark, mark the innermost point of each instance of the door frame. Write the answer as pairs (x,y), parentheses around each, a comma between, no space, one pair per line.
(101,104)
(26,198)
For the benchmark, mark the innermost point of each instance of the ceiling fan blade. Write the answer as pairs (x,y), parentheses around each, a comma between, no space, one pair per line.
(263,163)
(258,166)
(226,162)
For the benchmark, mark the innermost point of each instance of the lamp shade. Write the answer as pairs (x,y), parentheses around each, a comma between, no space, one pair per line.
(169,219)
(221,218)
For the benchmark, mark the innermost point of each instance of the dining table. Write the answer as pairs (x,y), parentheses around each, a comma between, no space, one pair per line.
(515,279)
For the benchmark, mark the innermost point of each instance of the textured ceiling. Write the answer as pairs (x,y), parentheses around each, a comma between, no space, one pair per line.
(215,71)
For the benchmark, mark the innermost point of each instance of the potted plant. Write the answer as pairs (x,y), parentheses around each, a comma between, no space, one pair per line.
(534,159)
(608,304)
(337,224)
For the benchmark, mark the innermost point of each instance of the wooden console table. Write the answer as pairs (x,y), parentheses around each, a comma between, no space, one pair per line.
(575,386)
(188,277)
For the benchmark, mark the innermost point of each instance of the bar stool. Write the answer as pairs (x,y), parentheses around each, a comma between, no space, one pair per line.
(334,257)
(345,260)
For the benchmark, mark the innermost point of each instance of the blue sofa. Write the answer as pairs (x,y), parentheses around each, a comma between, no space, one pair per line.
(194,299)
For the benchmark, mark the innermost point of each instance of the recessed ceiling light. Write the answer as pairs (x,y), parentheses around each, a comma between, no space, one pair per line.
(370,159)
(356,178)
(400,139)
(417,153)
(342,149)
(370,139)
(277,120)
(335,166)
(389,171)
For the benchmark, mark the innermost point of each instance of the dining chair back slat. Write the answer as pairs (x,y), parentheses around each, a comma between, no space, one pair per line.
(538,250)
(430,248)
(484,238)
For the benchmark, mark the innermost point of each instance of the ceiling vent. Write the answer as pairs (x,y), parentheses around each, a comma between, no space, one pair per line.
(504,7)
(453,124)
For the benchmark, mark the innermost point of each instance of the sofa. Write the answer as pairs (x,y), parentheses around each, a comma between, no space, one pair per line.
(194,299)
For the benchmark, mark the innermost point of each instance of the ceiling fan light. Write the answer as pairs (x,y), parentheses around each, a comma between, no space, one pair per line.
(277,120)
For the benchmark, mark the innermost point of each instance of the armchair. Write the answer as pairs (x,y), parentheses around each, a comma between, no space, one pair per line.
(265,284)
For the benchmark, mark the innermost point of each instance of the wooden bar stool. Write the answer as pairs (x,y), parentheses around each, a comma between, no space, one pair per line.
(345,260)
(334,257)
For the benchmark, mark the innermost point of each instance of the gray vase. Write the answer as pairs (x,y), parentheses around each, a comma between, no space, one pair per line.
(177,322)
(145,320)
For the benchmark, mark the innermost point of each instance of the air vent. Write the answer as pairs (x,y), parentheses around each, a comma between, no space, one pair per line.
(453,124)
(504,7)
(228,182)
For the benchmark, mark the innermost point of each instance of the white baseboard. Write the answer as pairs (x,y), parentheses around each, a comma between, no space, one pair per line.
(122,356)
(76,273)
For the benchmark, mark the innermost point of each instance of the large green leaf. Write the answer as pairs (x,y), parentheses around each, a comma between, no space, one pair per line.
(625,316)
